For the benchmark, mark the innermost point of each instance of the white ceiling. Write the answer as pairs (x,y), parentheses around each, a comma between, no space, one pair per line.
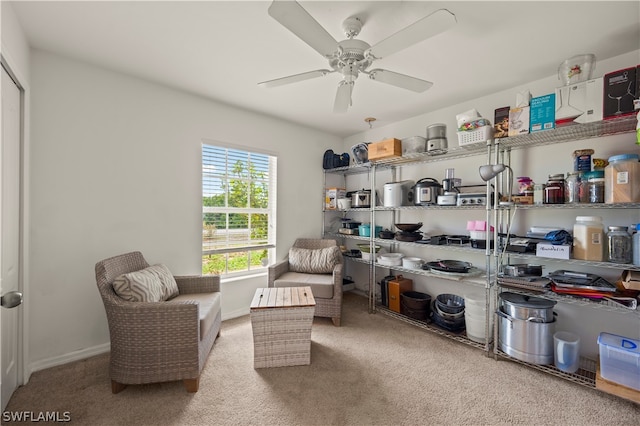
(222,49)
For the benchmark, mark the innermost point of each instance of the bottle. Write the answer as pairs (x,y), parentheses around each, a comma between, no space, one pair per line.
(588,238)
(618,245)
(636,246)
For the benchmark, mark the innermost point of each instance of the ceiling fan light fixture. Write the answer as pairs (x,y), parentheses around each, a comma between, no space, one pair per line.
(352,56)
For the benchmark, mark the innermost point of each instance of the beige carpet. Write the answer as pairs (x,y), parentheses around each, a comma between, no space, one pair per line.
(374,370)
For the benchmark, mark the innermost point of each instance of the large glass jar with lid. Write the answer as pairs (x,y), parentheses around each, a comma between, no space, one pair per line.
(554,190)
(619,245)
(573,188)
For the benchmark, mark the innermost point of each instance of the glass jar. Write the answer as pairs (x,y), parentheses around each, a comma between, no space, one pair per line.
(588,238)
(573,187)
(538,193)
(618,245)
(622,179)
(554,190)
(595,186)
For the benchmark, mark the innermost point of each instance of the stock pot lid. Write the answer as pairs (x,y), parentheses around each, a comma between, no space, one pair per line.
(525,301)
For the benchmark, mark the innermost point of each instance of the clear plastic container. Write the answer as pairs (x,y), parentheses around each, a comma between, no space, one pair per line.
(588,238)
(622,179)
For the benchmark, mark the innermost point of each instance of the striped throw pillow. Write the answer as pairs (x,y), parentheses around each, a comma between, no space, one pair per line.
(152,284)
(314,261)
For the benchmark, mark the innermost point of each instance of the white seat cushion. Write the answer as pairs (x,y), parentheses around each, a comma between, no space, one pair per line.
(321,284)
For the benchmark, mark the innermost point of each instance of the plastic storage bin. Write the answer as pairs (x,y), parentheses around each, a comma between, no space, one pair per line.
(620,359)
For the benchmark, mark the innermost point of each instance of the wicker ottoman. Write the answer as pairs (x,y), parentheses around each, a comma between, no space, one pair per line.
(281,320)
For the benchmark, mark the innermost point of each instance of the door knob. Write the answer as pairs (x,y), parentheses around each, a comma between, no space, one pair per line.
(11,299)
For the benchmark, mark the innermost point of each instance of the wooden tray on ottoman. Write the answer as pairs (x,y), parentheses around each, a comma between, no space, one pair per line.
(281,320)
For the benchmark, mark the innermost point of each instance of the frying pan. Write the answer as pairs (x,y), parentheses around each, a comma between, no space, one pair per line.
(408,227)
(449,265)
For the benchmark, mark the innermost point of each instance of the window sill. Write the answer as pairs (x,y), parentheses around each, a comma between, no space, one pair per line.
(244,277)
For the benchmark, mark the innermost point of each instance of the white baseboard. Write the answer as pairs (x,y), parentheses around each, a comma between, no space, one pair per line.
(66,358)
(235,314)
(97,350)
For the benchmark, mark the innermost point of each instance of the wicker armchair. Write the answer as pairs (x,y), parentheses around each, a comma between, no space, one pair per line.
(326,288)
(155,342)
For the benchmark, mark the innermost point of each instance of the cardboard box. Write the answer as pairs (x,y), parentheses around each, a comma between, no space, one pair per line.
(580,102)
(388,148)
(331,197)
(519,121)
(620,90)
(543,113)
(396,287)
(562,251)
(631,280)
(501,122)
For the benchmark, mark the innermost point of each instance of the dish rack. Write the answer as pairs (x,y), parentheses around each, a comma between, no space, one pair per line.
(473,137)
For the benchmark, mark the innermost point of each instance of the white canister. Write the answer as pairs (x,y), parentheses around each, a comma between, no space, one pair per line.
(397,194)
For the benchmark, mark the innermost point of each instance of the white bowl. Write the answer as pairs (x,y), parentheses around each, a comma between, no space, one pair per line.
(390,259)
(412,262)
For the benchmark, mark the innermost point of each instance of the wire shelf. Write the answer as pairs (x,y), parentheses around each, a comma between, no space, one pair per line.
(586,374)
(571,133)
(607,305)
(458,337)
(574,206)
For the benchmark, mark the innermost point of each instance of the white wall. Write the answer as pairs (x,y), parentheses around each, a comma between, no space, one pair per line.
(116,167)
(537,163)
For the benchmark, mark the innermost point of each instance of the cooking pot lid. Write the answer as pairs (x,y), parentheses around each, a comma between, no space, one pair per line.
(526,301)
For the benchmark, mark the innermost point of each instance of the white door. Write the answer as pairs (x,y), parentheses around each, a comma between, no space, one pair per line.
(10,161)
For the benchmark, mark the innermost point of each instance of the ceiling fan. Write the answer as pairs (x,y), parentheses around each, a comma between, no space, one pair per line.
(351,57)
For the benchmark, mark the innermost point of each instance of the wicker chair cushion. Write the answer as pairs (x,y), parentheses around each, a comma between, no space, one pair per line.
(321,284)
(209,308)
(314,261)
(152,284)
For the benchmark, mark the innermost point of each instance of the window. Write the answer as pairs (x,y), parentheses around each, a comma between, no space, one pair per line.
(238,210)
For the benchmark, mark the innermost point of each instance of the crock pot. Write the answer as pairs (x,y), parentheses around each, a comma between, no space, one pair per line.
(361,198)
(426,191)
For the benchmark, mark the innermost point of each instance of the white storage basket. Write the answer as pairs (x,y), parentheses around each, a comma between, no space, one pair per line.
(473,137)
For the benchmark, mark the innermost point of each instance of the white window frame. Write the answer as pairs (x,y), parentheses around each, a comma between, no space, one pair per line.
(270,210)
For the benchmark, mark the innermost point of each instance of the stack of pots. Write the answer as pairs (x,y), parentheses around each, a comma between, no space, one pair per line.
(526,327)
(475,313)
(448,312)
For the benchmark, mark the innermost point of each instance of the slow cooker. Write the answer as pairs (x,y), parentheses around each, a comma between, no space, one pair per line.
(426,191)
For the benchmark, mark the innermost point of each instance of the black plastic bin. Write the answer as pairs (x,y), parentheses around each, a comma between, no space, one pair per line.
(415,305)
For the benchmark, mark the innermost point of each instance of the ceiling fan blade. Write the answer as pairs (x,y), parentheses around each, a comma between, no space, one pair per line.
(295,78)
(400,80)
(297,20)
(343,97)
(430,25)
